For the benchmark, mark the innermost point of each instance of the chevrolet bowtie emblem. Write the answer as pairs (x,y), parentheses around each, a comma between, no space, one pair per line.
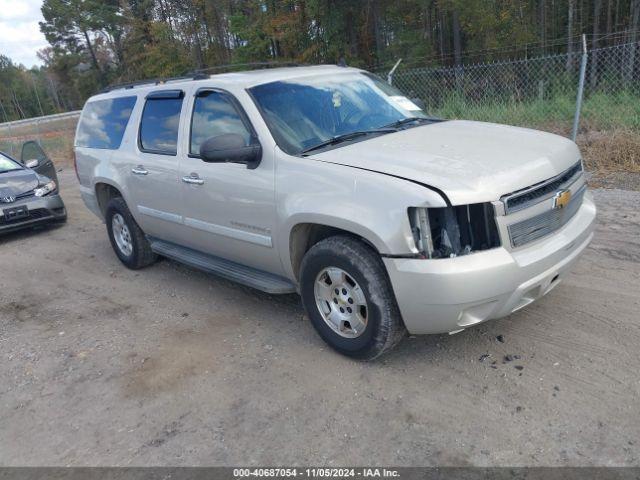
(561,199)
(7,199)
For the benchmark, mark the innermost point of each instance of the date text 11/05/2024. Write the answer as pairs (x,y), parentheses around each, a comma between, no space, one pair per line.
(316,472)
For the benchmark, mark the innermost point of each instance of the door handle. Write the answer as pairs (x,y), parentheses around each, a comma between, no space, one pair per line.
(139,170)
(193,179)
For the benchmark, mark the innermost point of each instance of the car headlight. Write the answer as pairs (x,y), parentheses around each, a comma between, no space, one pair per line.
(453,231)
(45,189)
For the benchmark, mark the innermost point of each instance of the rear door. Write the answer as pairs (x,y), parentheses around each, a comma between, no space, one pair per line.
(32,151)
(153,185)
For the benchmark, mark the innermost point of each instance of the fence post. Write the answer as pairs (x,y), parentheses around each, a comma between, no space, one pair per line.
(392,71)
(583,71)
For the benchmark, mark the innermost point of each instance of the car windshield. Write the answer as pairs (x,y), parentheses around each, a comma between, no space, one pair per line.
(7,165)
(310,113)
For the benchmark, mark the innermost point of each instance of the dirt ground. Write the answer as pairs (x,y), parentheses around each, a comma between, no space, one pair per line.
(100,365)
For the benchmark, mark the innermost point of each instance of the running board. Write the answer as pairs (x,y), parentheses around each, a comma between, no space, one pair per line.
(248,276)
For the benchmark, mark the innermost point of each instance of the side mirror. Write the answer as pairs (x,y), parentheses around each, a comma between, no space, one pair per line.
(32,163)
(419,103)
(231,148)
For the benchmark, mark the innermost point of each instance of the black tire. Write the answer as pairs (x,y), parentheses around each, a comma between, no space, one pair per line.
(141,254)
(384,327)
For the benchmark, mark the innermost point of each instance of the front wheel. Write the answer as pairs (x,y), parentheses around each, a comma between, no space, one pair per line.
(348,297)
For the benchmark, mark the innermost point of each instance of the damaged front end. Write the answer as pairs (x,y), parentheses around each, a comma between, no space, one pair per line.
(454,231)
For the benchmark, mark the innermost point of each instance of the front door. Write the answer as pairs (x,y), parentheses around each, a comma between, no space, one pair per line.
(153,183)
(32,151)
(228,209)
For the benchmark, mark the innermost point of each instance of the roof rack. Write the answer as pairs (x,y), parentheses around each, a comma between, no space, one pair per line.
(153,81)
(248,66)
(202,73)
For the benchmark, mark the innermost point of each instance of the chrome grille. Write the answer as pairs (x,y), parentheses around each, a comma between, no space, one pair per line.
(545,223)
(541,191)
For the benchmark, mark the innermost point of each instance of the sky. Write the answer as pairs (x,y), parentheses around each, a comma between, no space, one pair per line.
(20,37)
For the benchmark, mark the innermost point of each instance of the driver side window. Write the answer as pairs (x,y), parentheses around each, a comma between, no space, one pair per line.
(214,113)
(32,151)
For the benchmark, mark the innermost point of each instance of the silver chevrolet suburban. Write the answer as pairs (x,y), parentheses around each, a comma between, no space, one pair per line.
(328,182)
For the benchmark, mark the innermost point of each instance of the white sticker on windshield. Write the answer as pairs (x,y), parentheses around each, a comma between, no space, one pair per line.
(405,103)
(337,99)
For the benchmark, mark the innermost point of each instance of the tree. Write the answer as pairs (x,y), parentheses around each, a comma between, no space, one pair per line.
(571,10)
(593,75)
(635,25)
(23,93)
(73,25)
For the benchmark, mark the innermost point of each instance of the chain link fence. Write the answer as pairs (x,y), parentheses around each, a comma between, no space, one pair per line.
(542,92)
(612,88)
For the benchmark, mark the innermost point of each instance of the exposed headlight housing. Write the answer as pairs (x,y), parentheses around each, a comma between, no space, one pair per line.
(453,231)
(45,189)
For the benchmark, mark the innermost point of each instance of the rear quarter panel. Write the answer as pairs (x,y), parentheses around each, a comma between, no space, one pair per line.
(95,165)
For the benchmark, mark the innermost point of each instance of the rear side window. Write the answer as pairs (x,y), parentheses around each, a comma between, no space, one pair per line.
(103,123)
(160,122)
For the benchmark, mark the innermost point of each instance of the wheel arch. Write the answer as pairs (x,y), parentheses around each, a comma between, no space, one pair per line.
(305,234)
(105,191)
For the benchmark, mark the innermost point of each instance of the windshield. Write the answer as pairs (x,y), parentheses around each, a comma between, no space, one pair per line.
(303,113)
(6,164)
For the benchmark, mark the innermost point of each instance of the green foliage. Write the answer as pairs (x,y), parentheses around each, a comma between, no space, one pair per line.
(611,110)
(22,91)
(253,43)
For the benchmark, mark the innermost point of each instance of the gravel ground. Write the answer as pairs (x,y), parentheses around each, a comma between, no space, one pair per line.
(616,180)
(168,366)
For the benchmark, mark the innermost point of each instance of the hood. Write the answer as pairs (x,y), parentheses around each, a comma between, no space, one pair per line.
(471,162)
(15,182)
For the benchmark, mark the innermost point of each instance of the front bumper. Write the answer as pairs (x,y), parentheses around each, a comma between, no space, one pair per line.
(448,295)
(42,210)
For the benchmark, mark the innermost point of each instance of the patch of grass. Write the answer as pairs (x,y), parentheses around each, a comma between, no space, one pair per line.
(615,150)
(535,114)
(600,111)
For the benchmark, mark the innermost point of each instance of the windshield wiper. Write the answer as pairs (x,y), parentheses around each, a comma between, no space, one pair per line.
(346,137)
(407,120)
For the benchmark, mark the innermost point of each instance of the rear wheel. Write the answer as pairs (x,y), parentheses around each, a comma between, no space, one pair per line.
(127,238)
(348,297)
